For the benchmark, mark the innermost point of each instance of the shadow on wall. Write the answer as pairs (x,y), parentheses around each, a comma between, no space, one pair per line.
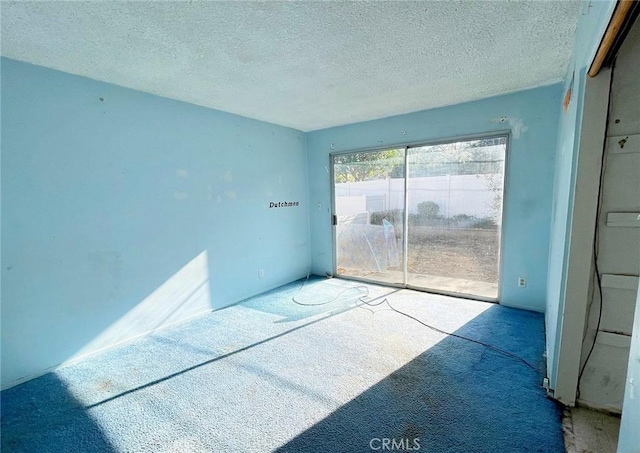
(51,420)
(81,331)
(184,294)
(457,396)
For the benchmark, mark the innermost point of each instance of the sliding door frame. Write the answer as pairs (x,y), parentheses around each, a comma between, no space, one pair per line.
(405,245)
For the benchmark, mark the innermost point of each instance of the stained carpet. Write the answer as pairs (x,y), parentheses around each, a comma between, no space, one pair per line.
(270,375)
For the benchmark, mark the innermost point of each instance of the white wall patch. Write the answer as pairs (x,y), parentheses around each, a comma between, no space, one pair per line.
(517,127)
(516,124)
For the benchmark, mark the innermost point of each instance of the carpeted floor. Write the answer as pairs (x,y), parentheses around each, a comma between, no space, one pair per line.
(270,375)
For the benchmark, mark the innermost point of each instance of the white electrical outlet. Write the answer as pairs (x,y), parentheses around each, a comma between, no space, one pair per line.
(261,273)
(522,282)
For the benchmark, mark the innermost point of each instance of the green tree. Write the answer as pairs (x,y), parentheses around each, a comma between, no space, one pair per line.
(366,165)
(459,158)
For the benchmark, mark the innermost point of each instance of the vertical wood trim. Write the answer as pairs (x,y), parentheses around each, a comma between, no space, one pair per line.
(615,24)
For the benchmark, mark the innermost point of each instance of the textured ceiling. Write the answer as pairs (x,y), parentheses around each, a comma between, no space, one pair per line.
(307,65)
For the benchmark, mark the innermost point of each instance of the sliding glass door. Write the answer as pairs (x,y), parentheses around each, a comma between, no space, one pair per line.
(427,217)
(369,194)
(454,196)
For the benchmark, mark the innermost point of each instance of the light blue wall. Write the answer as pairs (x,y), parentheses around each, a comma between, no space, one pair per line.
(629,441)
(592,22)
(532,115)
(116,209)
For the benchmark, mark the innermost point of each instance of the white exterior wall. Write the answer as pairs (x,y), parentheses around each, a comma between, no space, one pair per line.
(457,194)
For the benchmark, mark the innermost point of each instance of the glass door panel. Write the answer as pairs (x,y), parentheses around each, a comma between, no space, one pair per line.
(454,199)
(369,208)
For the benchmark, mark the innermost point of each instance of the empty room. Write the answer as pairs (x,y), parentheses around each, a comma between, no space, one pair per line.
(304,226)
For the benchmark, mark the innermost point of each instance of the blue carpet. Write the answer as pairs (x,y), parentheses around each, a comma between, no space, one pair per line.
(270,375)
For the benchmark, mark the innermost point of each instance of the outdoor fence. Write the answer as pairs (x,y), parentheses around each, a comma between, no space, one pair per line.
(479,196)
